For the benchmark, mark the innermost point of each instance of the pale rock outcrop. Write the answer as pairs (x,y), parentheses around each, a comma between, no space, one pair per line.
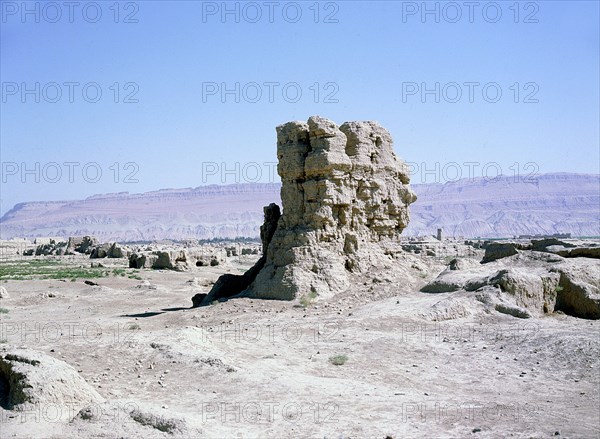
(108,250)
(33,379)
(578,291)
(499,250)
(100,251)
(345,197)
(171,260)
(141,260)
(160,260)
(82,244)
(52,248)
(526,290)
(578,252)
(542,245)
(163,261)
(116,251)
(528,284)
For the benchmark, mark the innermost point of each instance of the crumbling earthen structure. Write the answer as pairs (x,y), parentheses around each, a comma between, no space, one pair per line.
(345,198)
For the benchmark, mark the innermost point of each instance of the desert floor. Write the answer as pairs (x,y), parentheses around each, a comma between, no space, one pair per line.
(250,368)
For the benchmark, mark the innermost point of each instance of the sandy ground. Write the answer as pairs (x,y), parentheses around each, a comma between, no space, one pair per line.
(248,368)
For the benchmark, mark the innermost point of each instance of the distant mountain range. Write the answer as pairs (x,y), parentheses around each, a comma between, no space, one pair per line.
(504,207)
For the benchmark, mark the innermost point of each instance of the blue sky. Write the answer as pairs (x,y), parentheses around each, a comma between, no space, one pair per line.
(368,61)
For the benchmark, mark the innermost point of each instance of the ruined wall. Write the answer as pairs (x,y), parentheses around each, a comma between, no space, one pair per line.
(345,197)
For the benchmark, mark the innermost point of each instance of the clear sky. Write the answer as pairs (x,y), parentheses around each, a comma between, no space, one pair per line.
(432,77)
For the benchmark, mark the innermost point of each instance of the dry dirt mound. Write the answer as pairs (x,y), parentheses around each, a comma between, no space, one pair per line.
(528,284)
(30,379)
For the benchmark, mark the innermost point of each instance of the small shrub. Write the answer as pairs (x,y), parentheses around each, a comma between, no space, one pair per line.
(558,289)
(86,414)
(338,360)
(308,299)
(158,422)
(3,311)
(133,327)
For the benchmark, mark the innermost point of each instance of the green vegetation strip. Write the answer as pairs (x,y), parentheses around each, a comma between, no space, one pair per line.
(49,269)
